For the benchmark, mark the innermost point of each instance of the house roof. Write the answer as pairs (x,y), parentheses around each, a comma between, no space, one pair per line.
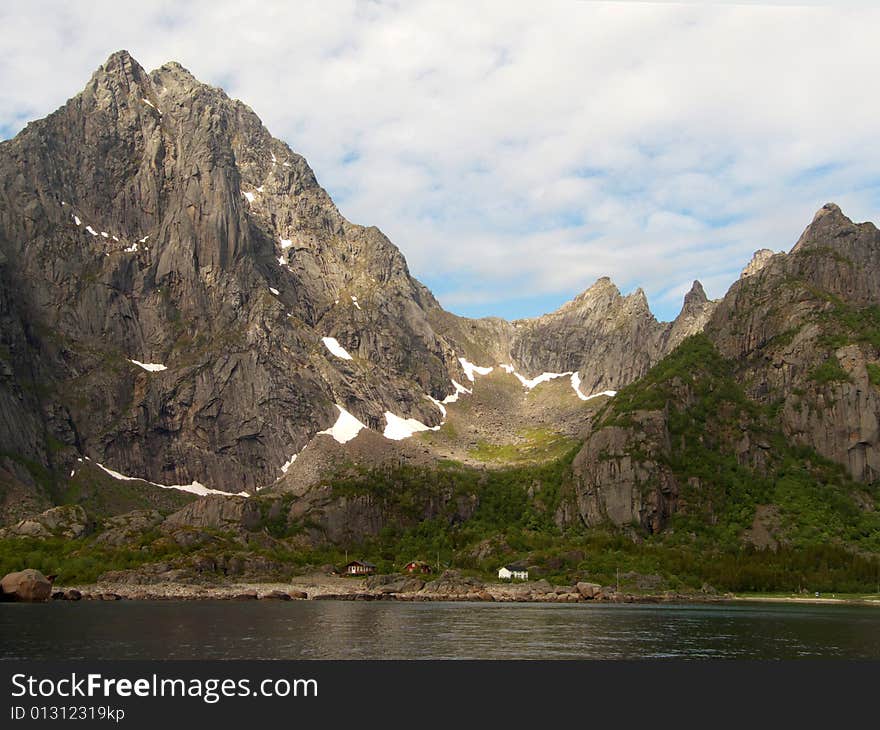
(516,567)
(360,562)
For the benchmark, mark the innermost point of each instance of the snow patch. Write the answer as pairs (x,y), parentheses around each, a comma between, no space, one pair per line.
(281,260)
(194,488)
(509,369)
(77,220)
(287,464)
(131,249)
(260,189)
(438,404)
(345,428)
(459,389)
(152,367)
(398,428)
(274,290)
(115,238)
(274,159)
(105,234)
(576,384)
(91,230)
(542,378)
(144,239)
(149,103)
(333,345)
(355,302)
(285,243)
(470,369)
(250,197)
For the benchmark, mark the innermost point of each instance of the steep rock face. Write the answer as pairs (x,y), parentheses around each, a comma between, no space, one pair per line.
(620,476)
(154,219)
(805,329)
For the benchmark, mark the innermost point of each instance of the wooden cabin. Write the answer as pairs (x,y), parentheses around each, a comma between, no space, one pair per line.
(417,566)
(359,567)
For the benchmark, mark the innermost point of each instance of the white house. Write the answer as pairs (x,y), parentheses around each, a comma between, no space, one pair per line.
(509,572)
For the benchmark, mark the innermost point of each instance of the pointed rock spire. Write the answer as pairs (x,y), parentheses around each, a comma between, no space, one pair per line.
(697,295)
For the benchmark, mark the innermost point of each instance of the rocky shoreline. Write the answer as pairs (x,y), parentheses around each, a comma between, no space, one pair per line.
(32,586)
(450,586)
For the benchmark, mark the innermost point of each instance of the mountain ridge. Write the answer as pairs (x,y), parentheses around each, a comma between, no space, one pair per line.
(153,219)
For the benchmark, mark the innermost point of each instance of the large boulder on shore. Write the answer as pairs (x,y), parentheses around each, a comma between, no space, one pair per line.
(394,583)
(589,590)
(25,585)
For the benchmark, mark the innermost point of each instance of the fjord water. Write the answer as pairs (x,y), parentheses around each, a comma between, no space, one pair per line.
(356,630)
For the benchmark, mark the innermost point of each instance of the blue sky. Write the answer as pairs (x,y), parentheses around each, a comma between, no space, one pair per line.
(514,156)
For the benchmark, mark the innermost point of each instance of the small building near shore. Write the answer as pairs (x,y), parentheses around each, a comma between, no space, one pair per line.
(417,566)
(360,567)
(513,572)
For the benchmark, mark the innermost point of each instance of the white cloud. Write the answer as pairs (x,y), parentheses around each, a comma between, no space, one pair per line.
(530,152)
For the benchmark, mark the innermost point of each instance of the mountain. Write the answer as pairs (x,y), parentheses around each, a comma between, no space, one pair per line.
(185,315)
(183,303)
(772,410)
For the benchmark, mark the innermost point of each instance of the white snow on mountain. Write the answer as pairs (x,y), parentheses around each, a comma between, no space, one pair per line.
(345,428)
(333,345)
(149,366)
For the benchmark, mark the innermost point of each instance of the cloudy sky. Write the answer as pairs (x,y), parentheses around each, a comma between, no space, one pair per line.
(515,152)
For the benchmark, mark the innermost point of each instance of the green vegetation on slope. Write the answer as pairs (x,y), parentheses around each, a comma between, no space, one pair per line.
(729,456)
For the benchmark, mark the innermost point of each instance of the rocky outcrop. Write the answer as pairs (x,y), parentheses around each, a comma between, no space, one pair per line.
(621,478)
(27,585)
(69,521)
(221,513)
(759,260)
(128,527)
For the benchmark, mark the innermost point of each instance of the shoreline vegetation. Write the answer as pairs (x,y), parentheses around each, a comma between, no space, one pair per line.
(448,588)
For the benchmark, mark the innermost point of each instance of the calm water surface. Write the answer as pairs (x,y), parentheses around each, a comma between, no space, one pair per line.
(349,630)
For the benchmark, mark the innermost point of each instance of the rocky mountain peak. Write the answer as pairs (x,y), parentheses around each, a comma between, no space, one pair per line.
(696,309)
(696,295)
(828,225)
(638,300)
(121,63)
(120,76)
(602,290)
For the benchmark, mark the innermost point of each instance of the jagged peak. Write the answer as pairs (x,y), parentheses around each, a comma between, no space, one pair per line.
(123,65)
(638,297)
(828,223)
(696,295)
